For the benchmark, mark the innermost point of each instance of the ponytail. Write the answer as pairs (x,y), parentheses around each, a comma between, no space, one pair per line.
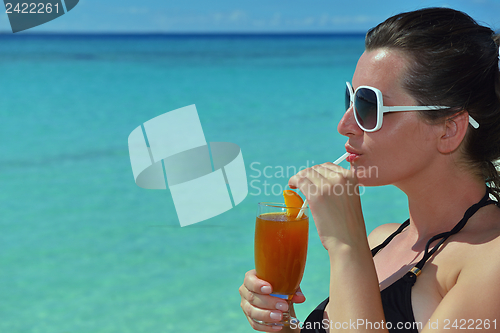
(493,174)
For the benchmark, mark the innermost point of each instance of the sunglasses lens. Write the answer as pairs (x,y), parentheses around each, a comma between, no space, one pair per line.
(347,98)
(365,106)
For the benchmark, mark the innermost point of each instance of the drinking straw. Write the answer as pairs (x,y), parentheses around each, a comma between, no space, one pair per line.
(304,205)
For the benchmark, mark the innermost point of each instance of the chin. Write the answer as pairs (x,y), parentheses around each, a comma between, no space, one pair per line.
(369,176)
(366,173)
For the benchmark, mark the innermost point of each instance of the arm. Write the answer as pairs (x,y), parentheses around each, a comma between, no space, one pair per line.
(354,290)
(474,301)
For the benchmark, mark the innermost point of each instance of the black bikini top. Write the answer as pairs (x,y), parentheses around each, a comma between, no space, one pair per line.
(396,298)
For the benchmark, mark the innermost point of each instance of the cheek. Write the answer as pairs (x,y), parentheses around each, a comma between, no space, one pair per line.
(386,169)
(394,154)
(378,171)
(374,168)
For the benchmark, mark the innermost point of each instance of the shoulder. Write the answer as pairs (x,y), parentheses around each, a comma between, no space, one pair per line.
(380,233)
(468,276)
(472,254)
(482,250)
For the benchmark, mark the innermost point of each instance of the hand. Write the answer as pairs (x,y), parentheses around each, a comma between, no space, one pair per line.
(257,304)
(333,196)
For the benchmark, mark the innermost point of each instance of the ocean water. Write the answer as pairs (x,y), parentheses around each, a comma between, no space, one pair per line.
(82,248)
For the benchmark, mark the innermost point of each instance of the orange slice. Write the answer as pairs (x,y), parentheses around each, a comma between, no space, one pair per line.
(293,202)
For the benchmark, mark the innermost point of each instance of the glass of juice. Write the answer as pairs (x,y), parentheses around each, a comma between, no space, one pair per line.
(281,249)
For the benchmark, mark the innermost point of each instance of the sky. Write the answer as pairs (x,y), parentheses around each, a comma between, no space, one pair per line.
(247,16)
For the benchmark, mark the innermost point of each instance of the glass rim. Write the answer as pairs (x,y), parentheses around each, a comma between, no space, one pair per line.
(279,205)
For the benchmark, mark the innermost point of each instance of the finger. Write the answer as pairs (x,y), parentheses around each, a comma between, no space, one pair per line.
(327,178)
(262,320)
(335,175)
(256,285)
(263,326)
(293,183)
(265,302)
(307,176)
(324,171)
(332,170)
(298,297)
(313,183)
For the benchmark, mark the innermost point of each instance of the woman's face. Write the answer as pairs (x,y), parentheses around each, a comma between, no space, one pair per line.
(405,147)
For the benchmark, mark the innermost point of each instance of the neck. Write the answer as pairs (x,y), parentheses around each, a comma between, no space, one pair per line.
(437,204)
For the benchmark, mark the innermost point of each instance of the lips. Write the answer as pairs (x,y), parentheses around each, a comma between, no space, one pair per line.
(353,154)
(352,157)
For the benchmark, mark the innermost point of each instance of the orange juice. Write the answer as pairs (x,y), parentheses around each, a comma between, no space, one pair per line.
(281,250)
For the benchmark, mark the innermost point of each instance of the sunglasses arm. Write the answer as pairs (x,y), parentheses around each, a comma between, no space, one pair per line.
(386,109)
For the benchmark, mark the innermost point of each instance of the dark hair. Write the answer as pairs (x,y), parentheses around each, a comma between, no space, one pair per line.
(454,62)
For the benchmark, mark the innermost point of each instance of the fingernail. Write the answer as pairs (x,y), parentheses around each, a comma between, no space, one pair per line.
(277,327)
(282,306)
(266,290)
(298,293)
(275,315)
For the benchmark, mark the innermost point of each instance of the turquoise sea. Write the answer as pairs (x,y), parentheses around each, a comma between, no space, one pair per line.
(83,249)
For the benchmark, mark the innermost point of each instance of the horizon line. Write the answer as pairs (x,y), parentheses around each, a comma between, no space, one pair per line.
(188,33)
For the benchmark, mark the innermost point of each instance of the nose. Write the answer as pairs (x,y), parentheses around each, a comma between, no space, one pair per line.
(347,125)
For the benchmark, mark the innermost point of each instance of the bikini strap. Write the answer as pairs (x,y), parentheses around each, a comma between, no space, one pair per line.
(442,237)
(375,250)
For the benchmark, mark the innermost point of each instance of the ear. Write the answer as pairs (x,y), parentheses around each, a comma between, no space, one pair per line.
(453,132)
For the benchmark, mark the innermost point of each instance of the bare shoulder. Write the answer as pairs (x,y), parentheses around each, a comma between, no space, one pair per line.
(380,233)
(484,248)
(468,273)
(479,247)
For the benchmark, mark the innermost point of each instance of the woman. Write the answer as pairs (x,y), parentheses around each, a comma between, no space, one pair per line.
(441,158)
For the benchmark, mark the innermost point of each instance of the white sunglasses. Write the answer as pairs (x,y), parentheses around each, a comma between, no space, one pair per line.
(369,109)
